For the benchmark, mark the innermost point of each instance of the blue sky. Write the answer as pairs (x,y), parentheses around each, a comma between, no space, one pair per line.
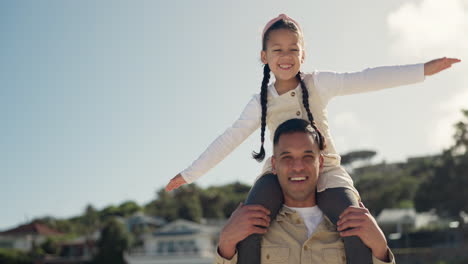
(103,102)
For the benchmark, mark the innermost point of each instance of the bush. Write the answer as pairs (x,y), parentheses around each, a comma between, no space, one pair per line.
(14,256)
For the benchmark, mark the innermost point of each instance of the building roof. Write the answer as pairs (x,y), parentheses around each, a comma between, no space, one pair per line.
(407,216)
(140,218)
(185,227)
(33,228)
(396,215)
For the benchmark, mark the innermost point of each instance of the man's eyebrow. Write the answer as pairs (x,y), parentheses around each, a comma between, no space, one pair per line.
(288,152)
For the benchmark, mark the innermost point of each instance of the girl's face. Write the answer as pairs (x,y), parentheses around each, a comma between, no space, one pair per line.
(284,53)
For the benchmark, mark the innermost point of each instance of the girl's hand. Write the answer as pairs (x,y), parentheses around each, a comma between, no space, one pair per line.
(437,65)
(175,183)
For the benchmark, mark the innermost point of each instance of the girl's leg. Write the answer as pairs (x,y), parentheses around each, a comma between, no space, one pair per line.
(267,192)
(333,202)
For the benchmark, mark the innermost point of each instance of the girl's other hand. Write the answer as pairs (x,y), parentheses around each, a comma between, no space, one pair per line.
(438,65)
(175,183)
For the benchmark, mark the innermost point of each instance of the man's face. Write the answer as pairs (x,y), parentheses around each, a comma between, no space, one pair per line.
(297,162)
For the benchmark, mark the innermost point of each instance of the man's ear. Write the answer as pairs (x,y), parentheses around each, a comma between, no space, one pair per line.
(303,56)
(263,57)
(273,164)
(321,161)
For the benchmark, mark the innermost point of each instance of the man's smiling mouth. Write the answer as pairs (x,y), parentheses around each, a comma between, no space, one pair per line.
(298,179)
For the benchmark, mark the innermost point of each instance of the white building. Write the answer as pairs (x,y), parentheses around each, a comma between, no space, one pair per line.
(178,242)
(396,220)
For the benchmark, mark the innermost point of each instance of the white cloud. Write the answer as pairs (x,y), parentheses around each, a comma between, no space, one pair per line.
(430,27)
(346,120)
(351,133)
(451,114)
(435,28)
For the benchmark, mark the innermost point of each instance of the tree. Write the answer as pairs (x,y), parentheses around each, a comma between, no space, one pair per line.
(444,190)
(353,156)
(387,186)
(90,221)
(189,204)
(50,246)
(14,256)
(114,240)
(461,134)
(183,202)
(109,212)
(236,193)
(164,206)
(213,200)
(128,208)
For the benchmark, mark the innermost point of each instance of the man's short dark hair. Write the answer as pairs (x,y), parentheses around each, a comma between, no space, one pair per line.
(295,125)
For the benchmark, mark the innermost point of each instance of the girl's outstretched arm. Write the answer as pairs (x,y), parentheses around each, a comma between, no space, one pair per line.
(438,65)
(232,137)
(175,183)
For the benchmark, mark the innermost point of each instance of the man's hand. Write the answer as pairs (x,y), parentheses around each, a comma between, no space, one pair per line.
(437,65)
(362,224)
(243,222)
(175,183)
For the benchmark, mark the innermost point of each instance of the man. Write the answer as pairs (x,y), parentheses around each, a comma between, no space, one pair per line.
(300,233)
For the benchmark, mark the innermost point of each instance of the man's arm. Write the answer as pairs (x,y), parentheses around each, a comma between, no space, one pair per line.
(244,221)
(363,225)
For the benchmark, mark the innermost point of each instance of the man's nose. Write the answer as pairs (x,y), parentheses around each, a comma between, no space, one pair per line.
(298,164)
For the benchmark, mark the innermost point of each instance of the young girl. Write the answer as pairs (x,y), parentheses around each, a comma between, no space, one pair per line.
(300,95)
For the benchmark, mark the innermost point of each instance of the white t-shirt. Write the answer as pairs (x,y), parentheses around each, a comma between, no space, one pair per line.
(312,217)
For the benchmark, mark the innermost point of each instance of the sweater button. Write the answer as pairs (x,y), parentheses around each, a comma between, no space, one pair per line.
(293,94)
(298,113)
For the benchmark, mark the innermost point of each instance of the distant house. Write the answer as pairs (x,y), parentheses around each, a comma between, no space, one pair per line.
(397,220)
(405,228)
(141,223)
(178,242)
(24,237)
(80,250)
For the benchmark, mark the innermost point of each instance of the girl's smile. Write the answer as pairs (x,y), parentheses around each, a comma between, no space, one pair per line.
(285,66)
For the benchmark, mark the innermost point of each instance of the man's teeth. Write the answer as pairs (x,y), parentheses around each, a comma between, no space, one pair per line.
(298,178)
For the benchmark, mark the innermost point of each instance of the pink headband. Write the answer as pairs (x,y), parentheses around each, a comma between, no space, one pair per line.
(274,20)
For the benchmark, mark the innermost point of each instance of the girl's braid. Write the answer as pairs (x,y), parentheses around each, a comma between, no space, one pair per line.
(263,100)
(305,101)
